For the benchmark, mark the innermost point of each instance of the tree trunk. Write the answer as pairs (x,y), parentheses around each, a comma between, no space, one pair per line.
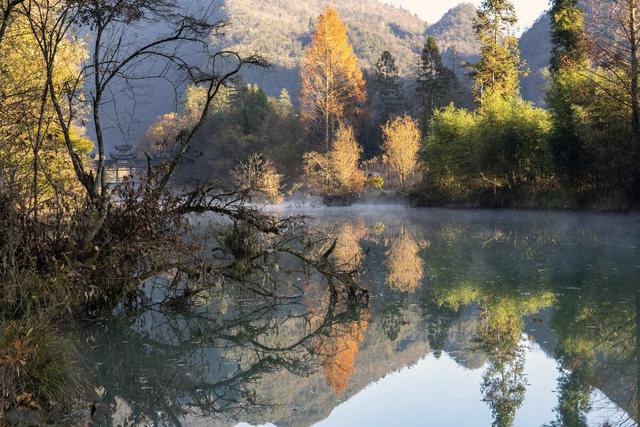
(326,131)
(36,149)
(7,16)
(1,177)
(635,70)
(637,418)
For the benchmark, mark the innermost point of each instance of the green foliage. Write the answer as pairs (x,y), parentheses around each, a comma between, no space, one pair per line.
(37,366)
(499,67)
(499,149)
(566,97)
(567,34)
(251,122)
(388,99)
(436,83)
(568,92)
(609,155)
(252,108)
(592,136)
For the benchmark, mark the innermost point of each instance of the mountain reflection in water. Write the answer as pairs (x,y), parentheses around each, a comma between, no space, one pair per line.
(475,318)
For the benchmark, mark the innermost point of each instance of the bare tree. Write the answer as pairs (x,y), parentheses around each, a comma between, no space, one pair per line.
(614,41)
(119,56)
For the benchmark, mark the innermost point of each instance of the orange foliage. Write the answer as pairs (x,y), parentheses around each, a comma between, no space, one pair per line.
(332,84)
(341,352)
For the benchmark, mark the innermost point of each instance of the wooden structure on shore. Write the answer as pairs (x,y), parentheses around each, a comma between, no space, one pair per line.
(123,164)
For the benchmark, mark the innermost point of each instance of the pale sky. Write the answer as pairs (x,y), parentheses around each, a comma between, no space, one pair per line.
(432,10)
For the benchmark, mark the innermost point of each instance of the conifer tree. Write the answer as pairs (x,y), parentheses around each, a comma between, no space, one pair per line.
(567,58)
(500,66)
(333,87)
(567,34)
(436,82)
(388,98)
(284,104)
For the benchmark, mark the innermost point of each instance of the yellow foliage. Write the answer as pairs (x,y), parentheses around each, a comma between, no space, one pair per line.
(348,253)
(162,134)
(404,264)
(260,178)
(29,129)
(345,158)
(401,146)
(332,84)
(336,173)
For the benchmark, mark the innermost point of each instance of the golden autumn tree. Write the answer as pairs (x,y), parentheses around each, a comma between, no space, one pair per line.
(337,174)
(333,86)
(405,266)
(34,165)
(401,146)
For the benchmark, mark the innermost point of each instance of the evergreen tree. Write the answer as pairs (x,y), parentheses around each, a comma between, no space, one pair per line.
(253,108)
(388,97)
(284,104)
(568,54)
(499,67)
(436,83)
(567,34)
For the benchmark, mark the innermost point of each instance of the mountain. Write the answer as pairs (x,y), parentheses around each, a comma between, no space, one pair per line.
(281,29)
(454,32)
(535,49)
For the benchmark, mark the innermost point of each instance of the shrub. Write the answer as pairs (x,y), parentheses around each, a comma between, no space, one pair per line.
(499,151)
(402,142)
(37,366)
(336,176)
(260,178)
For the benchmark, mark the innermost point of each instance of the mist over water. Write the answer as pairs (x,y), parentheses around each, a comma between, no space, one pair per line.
(475,318)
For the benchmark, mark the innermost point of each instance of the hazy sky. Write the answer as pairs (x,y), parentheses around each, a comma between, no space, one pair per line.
(432,10)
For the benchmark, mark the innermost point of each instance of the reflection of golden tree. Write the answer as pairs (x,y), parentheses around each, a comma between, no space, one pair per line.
(348,253)
(341,351)
(404,264)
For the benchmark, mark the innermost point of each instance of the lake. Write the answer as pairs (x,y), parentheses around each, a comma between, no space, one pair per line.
(474,318)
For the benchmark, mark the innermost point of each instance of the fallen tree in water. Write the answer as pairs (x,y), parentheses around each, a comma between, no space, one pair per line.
(73,246)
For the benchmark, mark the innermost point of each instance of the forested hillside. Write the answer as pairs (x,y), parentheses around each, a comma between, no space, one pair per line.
(280,29)
(455,36)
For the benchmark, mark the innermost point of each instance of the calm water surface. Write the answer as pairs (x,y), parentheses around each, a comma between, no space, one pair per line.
(475,319)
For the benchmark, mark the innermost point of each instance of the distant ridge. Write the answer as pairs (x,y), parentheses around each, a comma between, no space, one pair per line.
(280,29)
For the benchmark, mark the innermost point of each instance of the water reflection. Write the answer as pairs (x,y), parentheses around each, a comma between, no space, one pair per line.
(493,303)
(405,265)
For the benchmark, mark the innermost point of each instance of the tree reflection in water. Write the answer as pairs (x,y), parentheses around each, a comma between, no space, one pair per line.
(517,274)
(481,293)
(404,264)
(205,364)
